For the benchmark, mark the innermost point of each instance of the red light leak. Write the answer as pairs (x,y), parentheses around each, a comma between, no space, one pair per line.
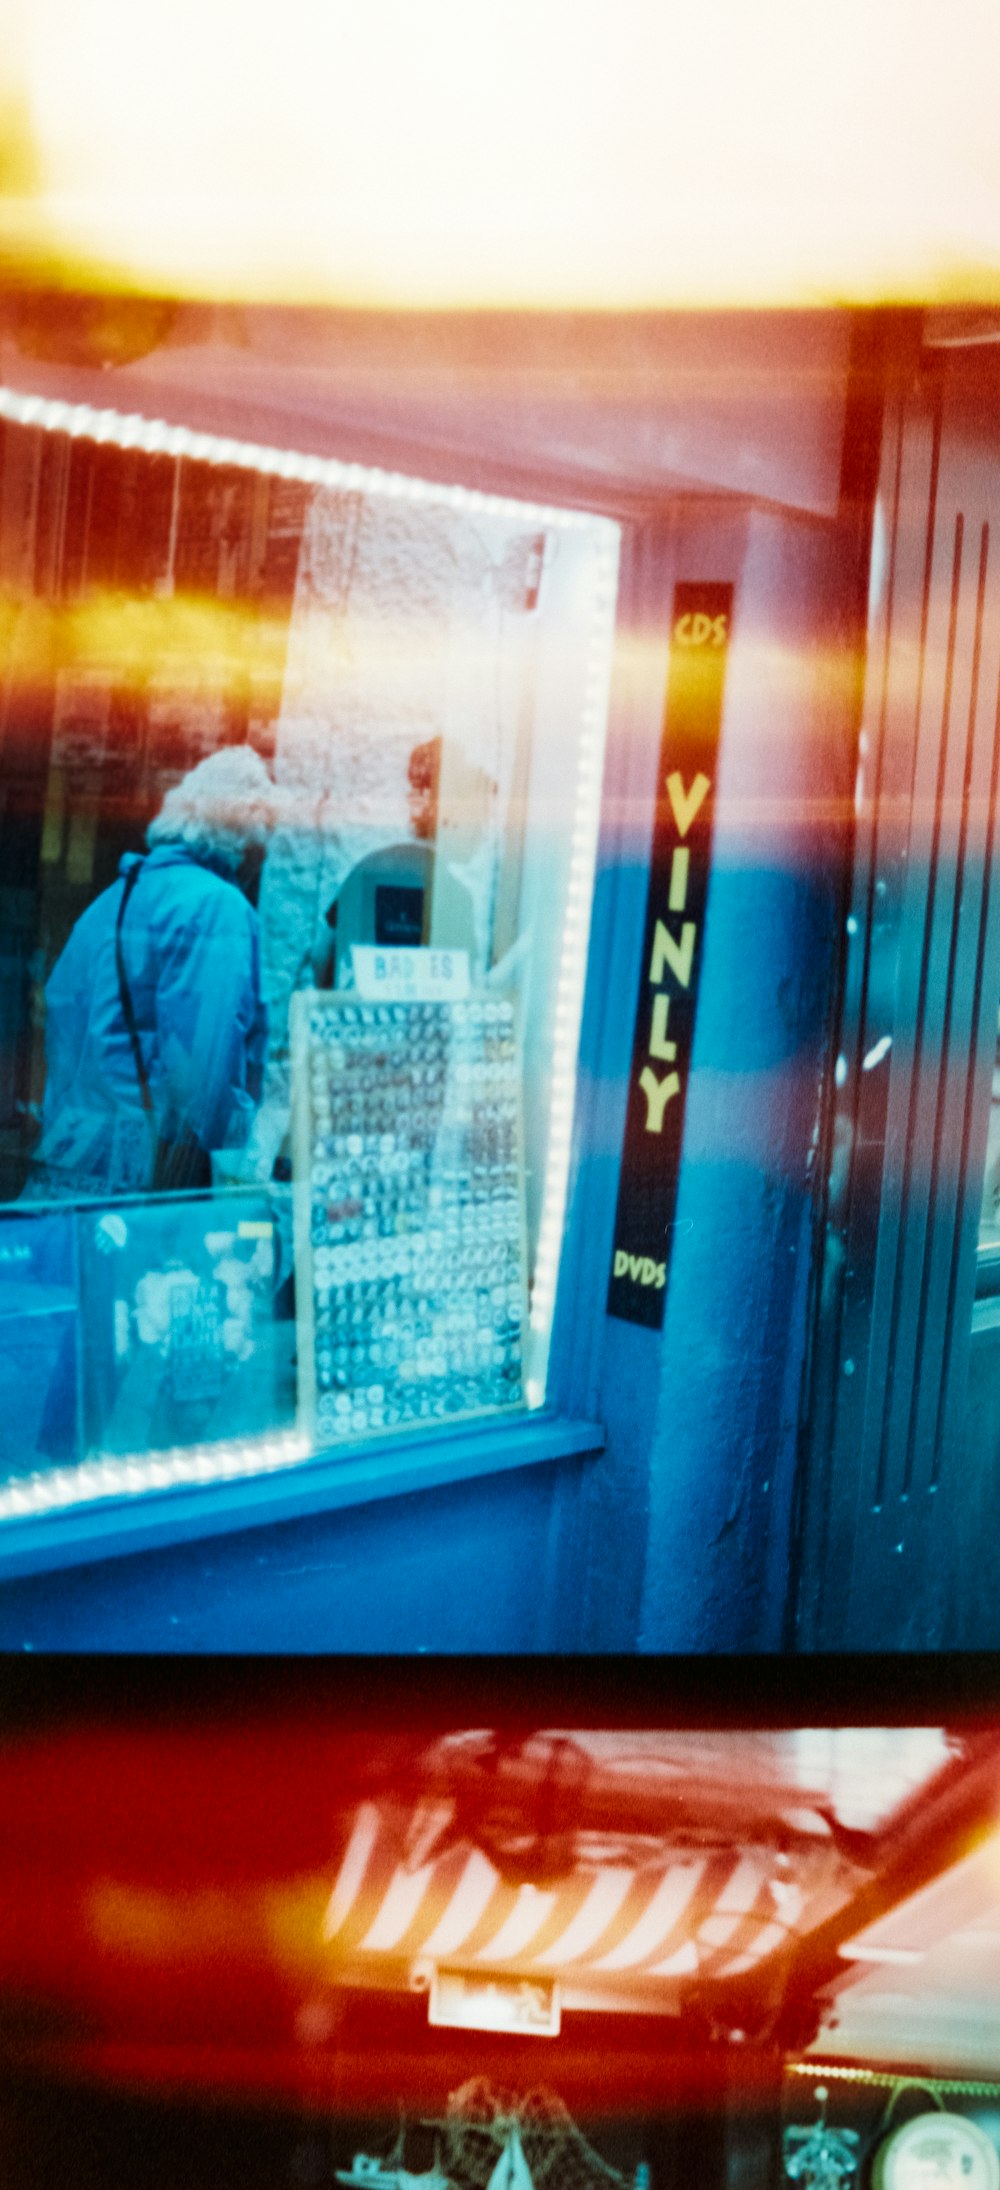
(168,1872)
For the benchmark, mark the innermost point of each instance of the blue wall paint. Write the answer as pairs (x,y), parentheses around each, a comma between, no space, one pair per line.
(689,1518)
(465,1569)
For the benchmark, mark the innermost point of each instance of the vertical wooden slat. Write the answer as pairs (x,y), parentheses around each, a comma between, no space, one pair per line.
(897,1469)
(833,1491)
(961,984)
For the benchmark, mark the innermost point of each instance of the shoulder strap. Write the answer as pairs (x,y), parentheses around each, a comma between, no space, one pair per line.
(125,995)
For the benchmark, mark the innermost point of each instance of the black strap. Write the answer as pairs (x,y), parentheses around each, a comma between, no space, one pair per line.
(125,995)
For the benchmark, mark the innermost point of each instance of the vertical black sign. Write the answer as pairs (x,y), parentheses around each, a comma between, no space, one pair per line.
(671,952)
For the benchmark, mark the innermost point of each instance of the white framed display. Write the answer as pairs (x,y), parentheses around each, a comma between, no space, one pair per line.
(408,1179)
(937,2151)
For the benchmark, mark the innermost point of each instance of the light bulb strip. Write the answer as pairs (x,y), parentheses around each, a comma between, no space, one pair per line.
(114,1476)
(883,2079)
(568,1005)
(156,437)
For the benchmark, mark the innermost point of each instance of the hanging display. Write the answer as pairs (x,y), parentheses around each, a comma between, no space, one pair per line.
(820,2157)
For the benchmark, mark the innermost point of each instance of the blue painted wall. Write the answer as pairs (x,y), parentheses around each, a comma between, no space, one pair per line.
(463,1569)
(686,1546)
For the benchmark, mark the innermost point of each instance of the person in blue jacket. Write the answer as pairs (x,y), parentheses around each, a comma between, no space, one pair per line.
(155,1026)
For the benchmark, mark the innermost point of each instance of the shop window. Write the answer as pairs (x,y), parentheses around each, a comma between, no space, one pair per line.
(284,1149)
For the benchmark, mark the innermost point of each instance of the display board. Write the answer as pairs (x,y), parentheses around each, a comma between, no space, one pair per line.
(409,1211)
(183,1342)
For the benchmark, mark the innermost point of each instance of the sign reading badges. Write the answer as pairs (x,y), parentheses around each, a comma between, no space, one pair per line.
(671,952)
(409,1216)
(411,976)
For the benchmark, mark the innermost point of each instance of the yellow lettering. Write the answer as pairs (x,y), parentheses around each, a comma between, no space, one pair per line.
(695,629)
(687,803)
(679,878)
(658,1094)
(667,951)
(658,1043)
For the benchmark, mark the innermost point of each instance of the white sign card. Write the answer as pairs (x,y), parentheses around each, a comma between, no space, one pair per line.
(412,975)
(464,2000)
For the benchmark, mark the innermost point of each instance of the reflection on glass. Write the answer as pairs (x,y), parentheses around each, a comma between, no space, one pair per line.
(988,1263)
(261,719)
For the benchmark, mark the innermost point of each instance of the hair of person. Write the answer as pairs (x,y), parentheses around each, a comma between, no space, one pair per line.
(424,765)
(426,761)
(219,809)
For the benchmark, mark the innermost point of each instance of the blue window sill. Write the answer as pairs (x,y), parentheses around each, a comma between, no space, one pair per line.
(155,1519)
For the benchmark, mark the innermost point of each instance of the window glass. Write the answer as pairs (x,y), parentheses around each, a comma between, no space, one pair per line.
(988,1260)
(301,767)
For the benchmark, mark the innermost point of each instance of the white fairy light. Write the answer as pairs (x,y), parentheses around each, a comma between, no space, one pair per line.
(159,437)
(130,1475)
(573,957)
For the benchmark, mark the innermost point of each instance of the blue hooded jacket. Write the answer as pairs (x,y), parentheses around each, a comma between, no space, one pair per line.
(191,947)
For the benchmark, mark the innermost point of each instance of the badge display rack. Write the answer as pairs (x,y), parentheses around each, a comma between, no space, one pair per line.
(408,1177)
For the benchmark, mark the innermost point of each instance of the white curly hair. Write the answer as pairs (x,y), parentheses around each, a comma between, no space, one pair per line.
(220,808)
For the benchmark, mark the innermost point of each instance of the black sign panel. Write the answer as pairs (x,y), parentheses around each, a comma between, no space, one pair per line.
(671,953)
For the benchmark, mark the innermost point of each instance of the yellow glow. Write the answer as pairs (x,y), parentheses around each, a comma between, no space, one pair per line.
(548,152)
(188,639)
(159,1927)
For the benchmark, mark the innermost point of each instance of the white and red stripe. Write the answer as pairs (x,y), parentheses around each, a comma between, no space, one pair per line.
(716,1915)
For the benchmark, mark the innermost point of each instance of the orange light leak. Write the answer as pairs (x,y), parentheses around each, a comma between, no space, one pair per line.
(578,154)
(191,648)
(167,1875)
(132,637)
(187,647)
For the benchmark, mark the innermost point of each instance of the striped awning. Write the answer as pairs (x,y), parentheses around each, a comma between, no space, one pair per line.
(713,1915)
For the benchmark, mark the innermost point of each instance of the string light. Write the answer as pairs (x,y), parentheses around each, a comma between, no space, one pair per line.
(573,958)
(126,430)
(107,1476)
(883,2079)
